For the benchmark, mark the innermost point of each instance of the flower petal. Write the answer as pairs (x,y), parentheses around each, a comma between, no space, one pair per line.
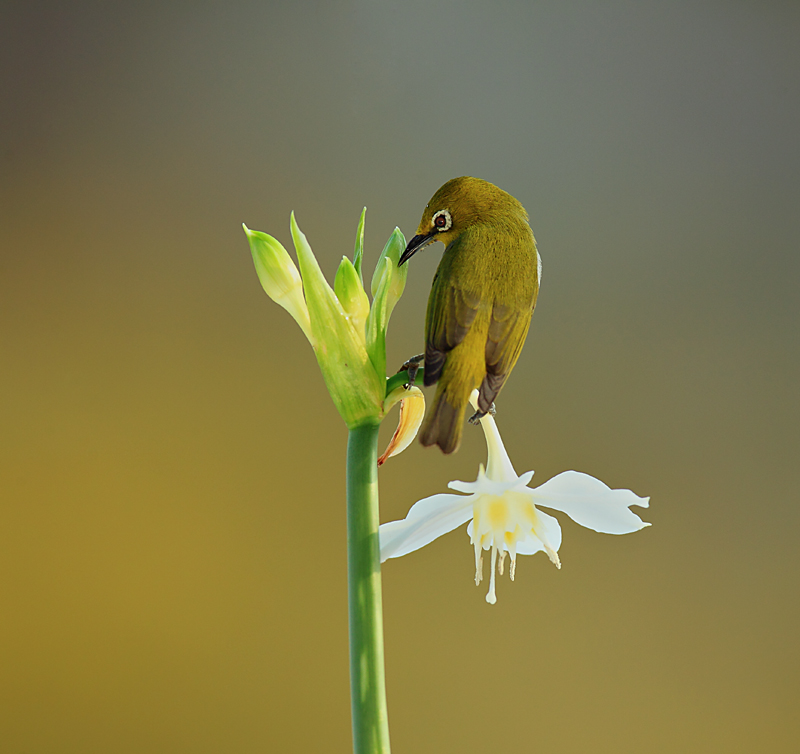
(485,485)
(590,503)
(548,538)
(498,465)
(427,520)
(529,546)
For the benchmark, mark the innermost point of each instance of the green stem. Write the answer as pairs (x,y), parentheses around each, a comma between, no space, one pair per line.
(367,683)
(401,378)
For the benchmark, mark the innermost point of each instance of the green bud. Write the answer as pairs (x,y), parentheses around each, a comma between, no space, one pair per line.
(388,283)
(358,252)
(351,295)
(397,283)
(348,336)
(376,322)
(279,276)
(356,388)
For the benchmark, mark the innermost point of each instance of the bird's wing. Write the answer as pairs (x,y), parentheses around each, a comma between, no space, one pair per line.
(508,327)
(507,330)
(451,312)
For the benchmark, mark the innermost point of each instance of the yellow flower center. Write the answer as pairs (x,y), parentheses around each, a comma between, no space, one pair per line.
(499,523)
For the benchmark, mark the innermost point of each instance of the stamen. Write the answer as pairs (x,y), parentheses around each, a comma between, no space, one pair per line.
(513,568)
(478,565)
(553,555)
(491,597)
(502,562)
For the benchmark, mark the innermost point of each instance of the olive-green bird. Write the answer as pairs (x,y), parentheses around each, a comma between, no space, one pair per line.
(481,300)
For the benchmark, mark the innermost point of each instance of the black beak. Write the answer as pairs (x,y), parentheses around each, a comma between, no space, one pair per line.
(415,244)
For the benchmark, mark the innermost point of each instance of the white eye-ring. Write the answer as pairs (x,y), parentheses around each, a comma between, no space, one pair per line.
(442,220)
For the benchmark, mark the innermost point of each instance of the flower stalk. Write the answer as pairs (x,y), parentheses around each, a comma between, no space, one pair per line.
(348,335)
(367,679)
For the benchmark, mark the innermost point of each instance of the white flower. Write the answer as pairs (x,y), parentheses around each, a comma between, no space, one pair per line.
(504,512)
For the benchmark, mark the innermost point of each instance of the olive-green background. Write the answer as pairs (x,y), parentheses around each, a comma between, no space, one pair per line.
(172,552)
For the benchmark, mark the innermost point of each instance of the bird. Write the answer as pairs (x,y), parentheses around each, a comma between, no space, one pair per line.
(481,301)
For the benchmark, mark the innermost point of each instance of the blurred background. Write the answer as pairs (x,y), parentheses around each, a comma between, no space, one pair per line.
(172,532)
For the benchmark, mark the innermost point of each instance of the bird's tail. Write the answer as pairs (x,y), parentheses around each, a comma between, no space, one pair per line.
(444,423)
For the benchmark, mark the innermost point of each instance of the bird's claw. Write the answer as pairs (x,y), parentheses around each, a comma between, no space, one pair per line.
(478,415)
(412,367)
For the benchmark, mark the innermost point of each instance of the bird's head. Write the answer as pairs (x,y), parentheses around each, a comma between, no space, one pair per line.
(458,205)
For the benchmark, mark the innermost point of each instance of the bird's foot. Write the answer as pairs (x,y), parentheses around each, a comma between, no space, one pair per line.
(412,367)
(478,415)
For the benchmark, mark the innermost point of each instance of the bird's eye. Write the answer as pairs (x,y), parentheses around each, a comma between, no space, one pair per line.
(442,220)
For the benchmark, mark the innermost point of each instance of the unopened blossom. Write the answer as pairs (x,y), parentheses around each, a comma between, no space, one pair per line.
(348,334)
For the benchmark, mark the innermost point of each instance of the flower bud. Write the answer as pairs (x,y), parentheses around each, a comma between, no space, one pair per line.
(412,412)
(388,282)
(348,336)
(279,276)
(397,282)
(356,387)
(351,295)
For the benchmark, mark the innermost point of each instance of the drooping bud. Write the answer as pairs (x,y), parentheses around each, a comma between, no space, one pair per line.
(412,411)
